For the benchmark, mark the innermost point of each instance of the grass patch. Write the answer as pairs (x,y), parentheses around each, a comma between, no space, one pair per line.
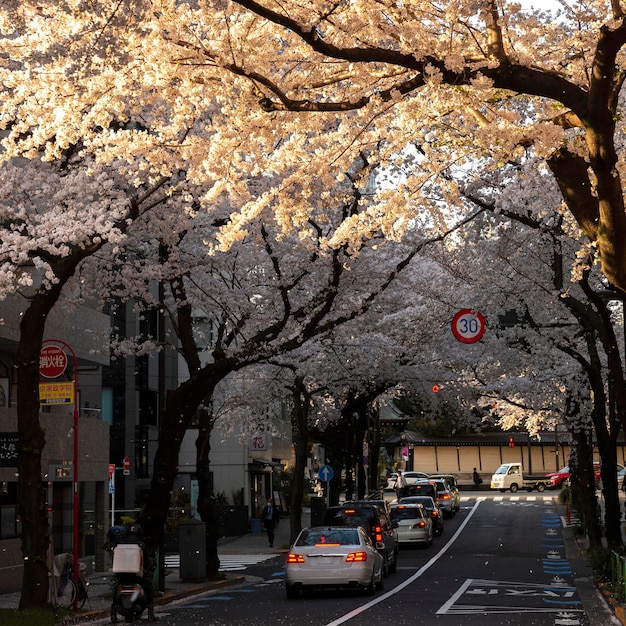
(32,617)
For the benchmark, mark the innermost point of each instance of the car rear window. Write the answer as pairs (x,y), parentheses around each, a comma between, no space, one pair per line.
(337,536)
(425,501)
(406,512)
(358,516)
(419,489)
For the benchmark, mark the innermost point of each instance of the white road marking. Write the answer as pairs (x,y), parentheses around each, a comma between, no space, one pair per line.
(411,579)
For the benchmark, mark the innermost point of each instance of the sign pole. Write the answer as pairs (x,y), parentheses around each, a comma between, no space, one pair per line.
(112,492)
(75,503)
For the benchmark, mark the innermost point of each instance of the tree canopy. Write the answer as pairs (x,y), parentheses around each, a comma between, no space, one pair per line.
(260,98)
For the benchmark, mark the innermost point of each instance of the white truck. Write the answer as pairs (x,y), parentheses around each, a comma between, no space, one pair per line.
(510,476)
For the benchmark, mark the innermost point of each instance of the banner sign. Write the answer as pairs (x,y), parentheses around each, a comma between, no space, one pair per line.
(56,393)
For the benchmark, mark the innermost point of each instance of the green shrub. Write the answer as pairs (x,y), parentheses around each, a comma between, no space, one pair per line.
(33,617)
(600,561)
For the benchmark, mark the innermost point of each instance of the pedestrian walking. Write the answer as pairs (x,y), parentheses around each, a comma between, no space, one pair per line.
(400,483)
(269,519)
(477,479)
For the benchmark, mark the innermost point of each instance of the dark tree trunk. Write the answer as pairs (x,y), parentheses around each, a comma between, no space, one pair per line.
(584,488)
(374,452)
(31,493)
(206,500)
(300,428)
(181,405)
(607,409)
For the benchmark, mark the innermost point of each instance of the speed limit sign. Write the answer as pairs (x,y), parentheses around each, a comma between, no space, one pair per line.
(468,326)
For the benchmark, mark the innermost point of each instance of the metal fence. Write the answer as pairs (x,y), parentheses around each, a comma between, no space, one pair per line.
(618,573)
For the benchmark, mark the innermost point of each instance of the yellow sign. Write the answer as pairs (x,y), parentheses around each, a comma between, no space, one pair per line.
(56,393)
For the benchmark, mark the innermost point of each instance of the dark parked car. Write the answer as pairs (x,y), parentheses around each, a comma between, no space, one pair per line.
(374,520)
(382,504)
(430,505)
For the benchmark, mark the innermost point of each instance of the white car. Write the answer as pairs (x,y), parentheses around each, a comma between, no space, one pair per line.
(411,477)
(391,482)
(333,556)
(414,523)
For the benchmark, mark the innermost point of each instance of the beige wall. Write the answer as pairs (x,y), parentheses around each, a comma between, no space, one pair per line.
(463,459)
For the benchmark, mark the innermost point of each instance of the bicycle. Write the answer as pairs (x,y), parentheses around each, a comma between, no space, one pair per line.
(70,591)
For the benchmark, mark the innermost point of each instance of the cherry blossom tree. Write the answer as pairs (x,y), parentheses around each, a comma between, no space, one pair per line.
(244,86)
(54,216)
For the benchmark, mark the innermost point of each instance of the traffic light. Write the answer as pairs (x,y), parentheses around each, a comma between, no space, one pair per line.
(511,442)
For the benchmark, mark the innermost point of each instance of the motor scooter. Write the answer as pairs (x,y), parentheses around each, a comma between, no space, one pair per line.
(129,596)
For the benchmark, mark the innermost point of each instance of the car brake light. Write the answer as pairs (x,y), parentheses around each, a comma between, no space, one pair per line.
(322,545)
(349,511)
(401,506)
(355,557)
(421,524)
(445,496)
(378,533)
(295,558)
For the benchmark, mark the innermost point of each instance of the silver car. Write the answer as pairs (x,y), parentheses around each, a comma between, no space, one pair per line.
(445,497)
(331,557)
(414,523)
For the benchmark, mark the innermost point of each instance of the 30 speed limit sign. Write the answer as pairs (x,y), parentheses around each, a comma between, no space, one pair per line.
(468,326)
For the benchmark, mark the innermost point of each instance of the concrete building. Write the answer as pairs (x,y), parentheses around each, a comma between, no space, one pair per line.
(85,331)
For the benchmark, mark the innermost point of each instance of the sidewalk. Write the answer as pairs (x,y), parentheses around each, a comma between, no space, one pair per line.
(100,583)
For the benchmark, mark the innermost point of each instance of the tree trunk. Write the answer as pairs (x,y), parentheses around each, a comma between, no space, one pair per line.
(206,499)
(31,491)
(300,427)
(181,404)
(584,488)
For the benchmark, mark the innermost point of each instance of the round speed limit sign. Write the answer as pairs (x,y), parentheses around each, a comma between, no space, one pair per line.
(468,326)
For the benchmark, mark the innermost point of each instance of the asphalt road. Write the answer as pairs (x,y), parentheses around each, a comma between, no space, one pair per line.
(501,560)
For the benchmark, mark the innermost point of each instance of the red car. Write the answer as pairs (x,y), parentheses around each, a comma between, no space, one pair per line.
(557,479)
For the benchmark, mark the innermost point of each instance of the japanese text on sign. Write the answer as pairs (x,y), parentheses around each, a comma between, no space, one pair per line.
(8,449)
(258,443)
(56,393)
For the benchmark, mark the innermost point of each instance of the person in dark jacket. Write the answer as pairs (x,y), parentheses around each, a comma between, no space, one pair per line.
(477,479)
(269,518)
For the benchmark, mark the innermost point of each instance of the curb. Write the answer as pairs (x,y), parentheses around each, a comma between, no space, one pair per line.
(163,600)
(598,611)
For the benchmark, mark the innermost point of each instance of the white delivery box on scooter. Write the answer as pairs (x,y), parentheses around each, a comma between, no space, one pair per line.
(128,559)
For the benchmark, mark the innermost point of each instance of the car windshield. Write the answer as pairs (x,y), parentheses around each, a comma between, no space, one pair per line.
(503,469)
(336,536)
(406,512)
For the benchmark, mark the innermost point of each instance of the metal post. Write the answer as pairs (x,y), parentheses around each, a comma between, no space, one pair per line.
(75,502)
(75,548)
